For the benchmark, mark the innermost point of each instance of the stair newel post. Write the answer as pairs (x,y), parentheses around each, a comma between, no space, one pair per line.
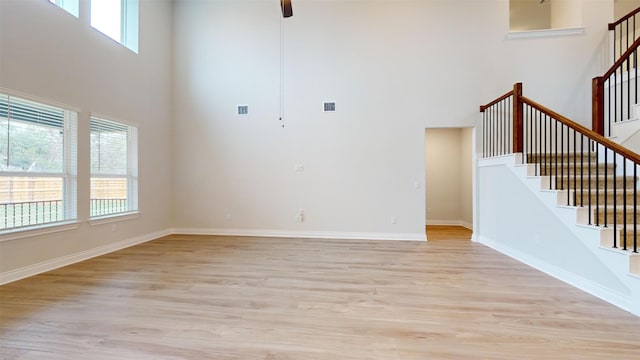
(597,99)
(517,118)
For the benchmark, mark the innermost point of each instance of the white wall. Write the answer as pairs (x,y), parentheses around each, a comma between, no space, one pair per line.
(393,67)
(49,54)
(520,220)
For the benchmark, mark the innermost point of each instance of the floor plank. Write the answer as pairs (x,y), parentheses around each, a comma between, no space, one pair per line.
(202,297)
(448,232)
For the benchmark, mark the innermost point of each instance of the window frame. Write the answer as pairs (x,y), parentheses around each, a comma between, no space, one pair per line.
(129,24)
(70,6)
(131,176)
(68,173)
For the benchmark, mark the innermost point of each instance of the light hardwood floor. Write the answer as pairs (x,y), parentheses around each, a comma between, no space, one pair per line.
(448,232)
(199,297)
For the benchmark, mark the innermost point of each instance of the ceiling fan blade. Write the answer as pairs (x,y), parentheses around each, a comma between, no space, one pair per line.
(286,8)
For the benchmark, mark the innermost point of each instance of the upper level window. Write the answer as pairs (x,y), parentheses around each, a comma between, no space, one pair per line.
(38,163)
(71,6)
(118,19)
(114,167)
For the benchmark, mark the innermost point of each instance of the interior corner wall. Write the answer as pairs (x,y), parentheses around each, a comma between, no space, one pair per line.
(526,15)
(392,72)
(566,14)
(623,7)
(49,54)
(466,177)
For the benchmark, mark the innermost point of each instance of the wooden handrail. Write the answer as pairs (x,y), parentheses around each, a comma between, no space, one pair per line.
(624,57)
(597,88)
(613,25)
(583,130)
(485,107)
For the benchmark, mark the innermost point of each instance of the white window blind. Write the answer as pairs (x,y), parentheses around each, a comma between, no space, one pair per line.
(114,173)
(38,163)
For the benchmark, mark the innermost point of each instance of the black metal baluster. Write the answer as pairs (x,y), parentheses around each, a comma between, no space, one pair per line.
(615,188)
(628,62)
(539,134)
(531,131)
(496,124)
(606,178)
(501,135)
(484,138)
(510,122)
(635,208)
(582,172)
(635,60)
(575,166)
(597,207)
(562,165)
(615,96)
(493,132)
(624,203)
(555,149)
(547,160)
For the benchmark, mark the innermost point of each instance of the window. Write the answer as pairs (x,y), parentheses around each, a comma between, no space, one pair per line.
(71,6)
(38,163)
(118,19)
(114,167)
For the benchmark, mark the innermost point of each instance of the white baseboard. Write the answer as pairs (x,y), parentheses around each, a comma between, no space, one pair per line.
(53,264)
(304,234)
(617,299)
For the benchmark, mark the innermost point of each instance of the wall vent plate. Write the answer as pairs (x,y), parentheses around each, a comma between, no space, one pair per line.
(243,109)
(329,106)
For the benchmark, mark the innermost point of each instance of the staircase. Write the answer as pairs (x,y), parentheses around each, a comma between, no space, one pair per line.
(601,197)
(582,224)
(568,197)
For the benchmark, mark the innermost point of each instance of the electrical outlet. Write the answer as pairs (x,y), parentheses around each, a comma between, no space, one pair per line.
(299,167)
(243,109)
(394,220)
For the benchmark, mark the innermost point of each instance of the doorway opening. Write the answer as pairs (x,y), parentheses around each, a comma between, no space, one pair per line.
(449,183)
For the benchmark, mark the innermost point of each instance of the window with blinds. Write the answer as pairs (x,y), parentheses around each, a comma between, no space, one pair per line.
(114,167)
(38,163)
